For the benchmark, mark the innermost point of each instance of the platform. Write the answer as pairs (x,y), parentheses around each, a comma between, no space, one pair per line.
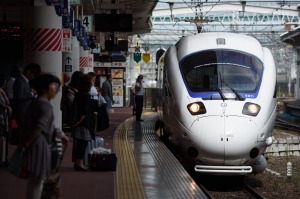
(145,169)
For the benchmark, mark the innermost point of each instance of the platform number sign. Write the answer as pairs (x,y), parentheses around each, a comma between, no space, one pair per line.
(87,22)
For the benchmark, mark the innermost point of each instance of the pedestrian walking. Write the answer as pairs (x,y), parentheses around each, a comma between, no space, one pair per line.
(37,133)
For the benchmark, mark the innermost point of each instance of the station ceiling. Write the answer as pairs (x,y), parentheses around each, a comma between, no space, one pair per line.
(12,11)
(264,19)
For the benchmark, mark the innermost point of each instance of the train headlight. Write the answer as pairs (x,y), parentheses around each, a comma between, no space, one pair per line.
(251,109)
(196,108)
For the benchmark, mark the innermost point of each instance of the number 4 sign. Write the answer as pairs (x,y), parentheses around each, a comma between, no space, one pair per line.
(87,22)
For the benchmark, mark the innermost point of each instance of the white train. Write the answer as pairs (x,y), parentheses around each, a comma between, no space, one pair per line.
(218,101)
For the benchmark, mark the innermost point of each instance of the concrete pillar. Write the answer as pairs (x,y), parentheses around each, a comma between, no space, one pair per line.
(75,53)
(84,60)
(42,45)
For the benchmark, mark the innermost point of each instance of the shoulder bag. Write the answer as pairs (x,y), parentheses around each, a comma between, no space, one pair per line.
(18,166)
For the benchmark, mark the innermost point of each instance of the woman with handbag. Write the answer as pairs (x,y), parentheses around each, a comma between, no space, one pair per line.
(37,133)
(83,127)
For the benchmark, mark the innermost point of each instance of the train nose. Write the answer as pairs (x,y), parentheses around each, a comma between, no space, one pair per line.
(230,137)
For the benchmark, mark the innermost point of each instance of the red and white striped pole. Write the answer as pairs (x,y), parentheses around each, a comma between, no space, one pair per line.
(42,44)
(84,60)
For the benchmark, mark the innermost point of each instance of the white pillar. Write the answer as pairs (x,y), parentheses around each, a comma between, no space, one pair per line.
(75,53)
(42,44)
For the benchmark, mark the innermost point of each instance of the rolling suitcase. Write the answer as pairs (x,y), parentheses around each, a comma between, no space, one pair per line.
(103,162)
(98,142)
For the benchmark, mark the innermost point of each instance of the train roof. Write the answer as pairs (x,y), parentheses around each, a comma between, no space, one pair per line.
(218,40)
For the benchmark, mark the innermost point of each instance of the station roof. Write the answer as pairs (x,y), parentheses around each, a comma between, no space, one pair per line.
(12,11)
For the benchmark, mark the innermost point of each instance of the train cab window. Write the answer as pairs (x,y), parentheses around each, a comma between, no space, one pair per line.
(220,70)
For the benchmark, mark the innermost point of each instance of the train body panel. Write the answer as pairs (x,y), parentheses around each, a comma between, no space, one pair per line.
(217,100)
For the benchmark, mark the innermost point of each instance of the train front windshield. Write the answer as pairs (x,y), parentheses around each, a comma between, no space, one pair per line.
(223,71)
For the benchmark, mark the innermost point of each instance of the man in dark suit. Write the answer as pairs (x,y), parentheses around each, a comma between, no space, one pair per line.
(22,91)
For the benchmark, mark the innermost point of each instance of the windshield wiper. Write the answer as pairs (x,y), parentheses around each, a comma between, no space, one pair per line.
(221,94)
(235,92)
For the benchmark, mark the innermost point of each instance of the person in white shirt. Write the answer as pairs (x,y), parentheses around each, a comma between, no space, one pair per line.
(93,92)
(139,97)
(10,84)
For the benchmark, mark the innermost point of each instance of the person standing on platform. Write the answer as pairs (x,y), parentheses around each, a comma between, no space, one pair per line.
(22,91)
(67,98)
(93,92)
(37,132)
(107,93)
(10,84)
(139,97)
(84,126)
(132,97)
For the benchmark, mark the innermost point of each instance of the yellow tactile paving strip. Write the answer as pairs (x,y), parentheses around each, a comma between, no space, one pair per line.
(128,183)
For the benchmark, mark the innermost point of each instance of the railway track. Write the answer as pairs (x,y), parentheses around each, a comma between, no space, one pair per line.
(252,191)
(231,187)
(286,125)
(217,187)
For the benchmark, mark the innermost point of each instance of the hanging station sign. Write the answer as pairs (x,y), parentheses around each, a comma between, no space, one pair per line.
(146,57)
(63,9)
(137,57)
(87,22)
(68,21)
